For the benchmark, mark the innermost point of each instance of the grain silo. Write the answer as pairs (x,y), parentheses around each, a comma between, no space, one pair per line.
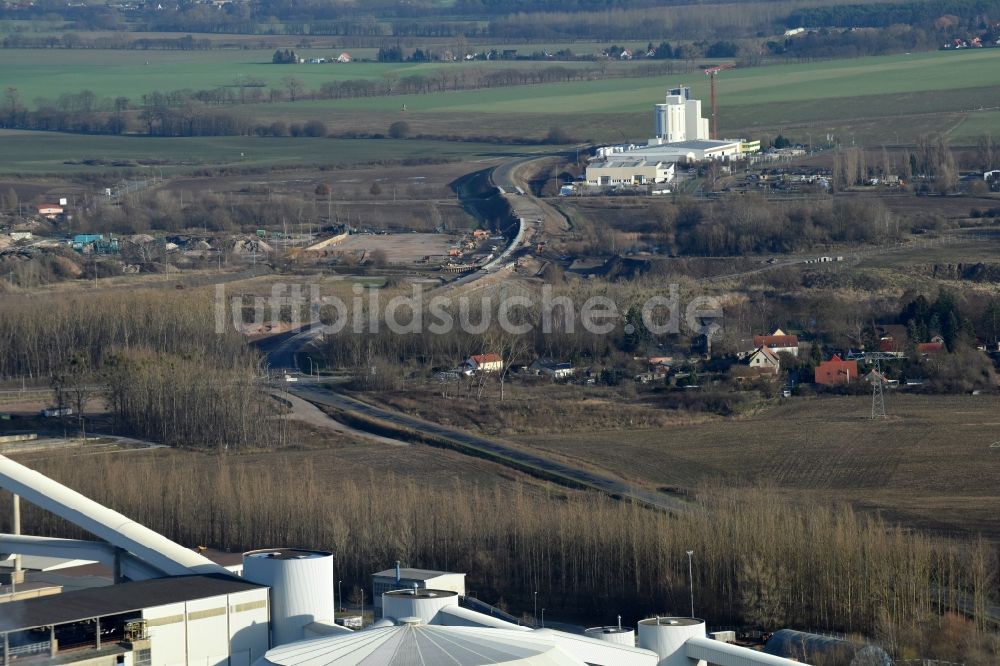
(613,634)
(417,602)
(666,637)
(301,583)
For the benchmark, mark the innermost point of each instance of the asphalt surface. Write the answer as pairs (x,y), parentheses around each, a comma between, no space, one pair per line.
(322,396)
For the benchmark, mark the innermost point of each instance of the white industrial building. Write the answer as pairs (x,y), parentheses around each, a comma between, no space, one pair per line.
(407,578)
(629,170)
(679,118)
(179,608)
(681,136)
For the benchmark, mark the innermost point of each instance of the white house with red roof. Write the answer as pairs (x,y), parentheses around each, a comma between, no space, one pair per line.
(484,363)
(778,342)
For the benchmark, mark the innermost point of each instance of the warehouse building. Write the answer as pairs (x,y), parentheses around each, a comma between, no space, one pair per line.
(406,578)
(173,620)
(629,170)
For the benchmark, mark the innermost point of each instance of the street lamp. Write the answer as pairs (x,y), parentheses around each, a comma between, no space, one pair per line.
(535,616)
(340,597)
(543,618)
(691,581)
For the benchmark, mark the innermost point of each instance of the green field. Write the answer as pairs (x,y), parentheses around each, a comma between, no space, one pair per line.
(791,84)
(40,73)
(49,152)
(874,101)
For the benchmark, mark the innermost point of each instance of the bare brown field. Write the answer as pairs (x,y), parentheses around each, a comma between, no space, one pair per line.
(929,465)
(400,248)
(971,250)
(540,407)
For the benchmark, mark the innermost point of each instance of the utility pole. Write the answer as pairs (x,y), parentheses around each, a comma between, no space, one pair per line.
(691,580)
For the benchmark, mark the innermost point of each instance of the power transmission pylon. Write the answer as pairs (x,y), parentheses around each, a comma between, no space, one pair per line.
(878,380)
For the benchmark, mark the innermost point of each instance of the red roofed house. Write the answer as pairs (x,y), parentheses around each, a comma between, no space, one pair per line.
(50,211)
(778,342)
(764,360)
(892,338)
(484,363)
(836,371)
(935,346)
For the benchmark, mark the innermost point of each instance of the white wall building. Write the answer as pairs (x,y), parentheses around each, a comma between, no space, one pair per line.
(403,578)
(679,118)
(627,169)
(204,620)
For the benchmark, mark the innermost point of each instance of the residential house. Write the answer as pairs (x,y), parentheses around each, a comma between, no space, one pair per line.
(546,366)
(935,346)
(778,342)
(892,338)
(836,371)
(874,376)
(344,57)
(484,363)
(764,361)
(49,211)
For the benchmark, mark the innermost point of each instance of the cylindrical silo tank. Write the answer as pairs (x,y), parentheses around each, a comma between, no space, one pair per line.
(666,637)
(301,583)
(617,635)
(421,603)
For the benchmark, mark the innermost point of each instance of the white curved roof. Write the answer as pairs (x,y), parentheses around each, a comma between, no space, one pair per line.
(423,645)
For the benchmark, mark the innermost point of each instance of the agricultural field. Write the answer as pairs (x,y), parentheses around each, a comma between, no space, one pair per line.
(41,73)
(932,464)
(850,98)
(48,152)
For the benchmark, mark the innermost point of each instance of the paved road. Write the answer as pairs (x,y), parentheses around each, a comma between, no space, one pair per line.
(323,396)
(307,412)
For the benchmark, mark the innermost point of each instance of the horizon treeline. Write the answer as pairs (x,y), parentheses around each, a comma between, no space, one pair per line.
(760,561)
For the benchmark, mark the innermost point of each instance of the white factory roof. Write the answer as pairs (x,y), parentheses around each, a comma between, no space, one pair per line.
(44,562)
(626,161)
(665,150)
(414,574)
(423,645)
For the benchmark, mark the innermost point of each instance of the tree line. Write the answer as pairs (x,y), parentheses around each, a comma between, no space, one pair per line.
(760,561)
(154,357)
(74,40)
(882,15)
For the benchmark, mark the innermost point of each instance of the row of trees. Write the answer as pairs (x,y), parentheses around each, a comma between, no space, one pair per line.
(750,224)
(759,561)
(74,40)
(155,358)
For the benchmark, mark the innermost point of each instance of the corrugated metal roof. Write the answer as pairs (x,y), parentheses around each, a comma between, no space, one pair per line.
(422,645)
(114,599)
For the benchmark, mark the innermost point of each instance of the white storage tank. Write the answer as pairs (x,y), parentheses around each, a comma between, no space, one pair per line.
(666,637)
(618,635)
(421,603)
(301,583)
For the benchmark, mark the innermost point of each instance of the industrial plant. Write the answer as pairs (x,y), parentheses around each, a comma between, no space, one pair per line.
(681,135)
(171,605)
